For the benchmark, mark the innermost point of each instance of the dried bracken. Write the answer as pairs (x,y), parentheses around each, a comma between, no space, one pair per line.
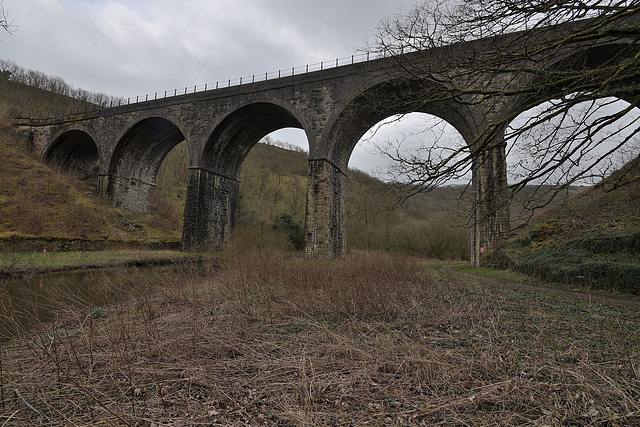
(373,339)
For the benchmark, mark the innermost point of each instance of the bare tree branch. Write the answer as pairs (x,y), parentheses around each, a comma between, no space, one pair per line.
(4,20)
(559,81)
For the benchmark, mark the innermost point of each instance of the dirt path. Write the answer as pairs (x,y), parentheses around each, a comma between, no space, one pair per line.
(579,295)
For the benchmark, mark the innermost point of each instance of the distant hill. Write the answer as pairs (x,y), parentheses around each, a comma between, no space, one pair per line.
(273,182)
(592,239)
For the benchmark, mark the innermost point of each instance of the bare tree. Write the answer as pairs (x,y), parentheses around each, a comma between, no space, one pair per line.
(573,65)
(4,20)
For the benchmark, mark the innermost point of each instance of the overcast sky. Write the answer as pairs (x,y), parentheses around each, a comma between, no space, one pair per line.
(127,48)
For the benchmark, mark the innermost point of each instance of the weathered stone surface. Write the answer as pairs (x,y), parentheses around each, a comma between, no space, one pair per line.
(210,212)
(324,223)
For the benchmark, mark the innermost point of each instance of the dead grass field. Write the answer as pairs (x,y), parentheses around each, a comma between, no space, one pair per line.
(370,340)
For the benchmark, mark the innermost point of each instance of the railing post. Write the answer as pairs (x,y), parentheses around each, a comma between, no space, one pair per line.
(321,64)
(336,62)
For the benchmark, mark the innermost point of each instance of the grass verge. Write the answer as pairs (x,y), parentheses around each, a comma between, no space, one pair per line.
(19,263)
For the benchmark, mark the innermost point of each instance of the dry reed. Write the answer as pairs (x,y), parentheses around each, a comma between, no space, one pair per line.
(374,339)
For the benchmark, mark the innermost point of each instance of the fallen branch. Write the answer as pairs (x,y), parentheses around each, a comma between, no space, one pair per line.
(40,414)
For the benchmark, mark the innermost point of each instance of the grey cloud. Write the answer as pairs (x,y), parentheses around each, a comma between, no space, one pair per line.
(126,48)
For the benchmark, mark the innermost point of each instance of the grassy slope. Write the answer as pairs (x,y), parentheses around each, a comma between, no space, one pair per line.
(273,182)
(36,201)
(593,239)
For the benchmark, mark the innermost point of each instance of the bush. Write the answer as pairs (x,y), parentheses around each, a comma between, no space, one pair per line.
(285,224)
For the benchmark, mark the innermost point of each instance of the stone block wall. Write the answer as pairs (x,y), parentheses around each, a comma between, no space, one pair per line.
(211,210)
(325,235)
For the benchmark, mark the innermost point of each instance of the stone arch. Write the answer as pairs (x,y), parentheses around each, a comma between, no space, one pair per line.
(380,102)
(578,59)
(325,233)
(136,159)
(74,152)
(235,135)
(213,190)
(583,58)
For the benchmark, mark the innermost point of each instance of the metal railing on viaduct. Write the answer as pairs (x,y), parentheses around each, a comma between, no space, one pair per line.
(220,84)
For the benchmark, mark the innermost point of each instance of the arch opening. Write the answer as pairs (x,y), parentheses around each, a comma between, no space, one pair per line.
(75,153)
(238,133)
(167,199)
(385,161)
(563,145)
(392,101)
(220,201)
(273,191)
(398,103)
(136,160)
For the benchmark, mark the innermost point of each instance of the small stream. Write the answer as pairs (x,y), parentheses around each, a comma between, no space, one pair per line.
(29,300)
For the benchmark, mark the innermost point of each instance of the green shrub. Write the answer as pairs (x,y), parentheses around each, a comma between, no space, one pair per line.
(285,224)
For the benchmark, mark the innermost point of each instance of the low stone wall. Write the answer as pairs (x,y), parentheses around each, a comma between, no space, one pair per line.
(39,244)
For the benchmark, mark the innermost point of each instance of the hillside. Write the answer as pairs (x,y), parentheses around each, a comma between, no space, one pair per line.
(592,239)
(19,99)
(41,208)
(273,183)
(36,201)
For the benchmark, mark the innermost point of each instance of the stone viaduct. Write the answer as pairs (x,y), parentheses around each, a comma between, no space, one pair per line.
(335,107)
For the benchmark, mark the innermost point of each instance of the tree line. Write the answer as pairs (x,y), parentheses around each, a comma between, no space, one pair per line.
(9,70)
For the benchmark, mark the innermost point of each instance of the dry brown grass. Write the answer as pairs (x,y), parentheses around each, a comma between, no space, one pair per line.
(373,339)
